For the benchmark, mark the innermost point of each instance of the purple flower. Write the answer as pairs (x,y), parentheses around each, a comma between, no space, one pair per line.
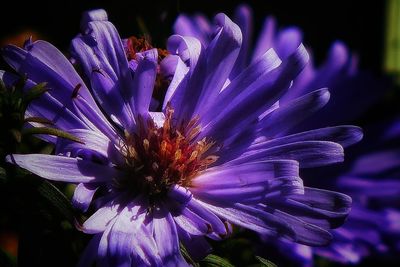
(369,224)
(215,155)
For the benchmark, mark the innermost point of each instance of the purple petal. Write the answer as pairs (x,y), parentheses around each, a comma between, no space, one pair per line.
(102,218)
(266,38)
(166,238)
(307,153)
(326,209)
(249,104)
(93,15)
(101,49)
(42,62)
(265,64)
(376,163)
(282,119)
(287,42)
(92,142)
(180,194)
(217,225)
(83,195)
(243,18)
(252,218)
(143,82)
(89,255)
(177,81)
(122,237)
(197,246)
(367,187)
(343,135)
(221,56)
(305,233)
(109,97)
(190,51)
(46,106)
(64,169)
(191,223)
(235,176)
(248,183)
(197,26)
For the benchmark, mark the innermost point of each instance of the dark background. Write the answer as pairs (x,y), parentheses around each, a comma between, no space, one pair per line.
(360,24)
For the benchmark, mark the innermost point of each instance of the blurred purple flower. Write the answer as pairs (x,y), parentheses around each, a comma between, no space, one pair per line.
(216,154)
(368,226)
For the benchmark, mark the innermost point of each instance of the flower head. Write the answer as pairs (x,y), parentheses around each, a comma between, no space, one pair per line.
(215,155)
(370,228)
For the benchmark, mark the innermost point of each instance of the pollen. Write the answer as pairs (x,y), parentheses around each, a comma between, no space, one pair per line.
(159,157)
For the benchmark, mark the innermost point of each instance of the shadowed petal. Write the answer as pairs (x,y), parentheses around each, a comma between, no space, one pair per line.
(83,195)
(249,104)
(197,246)
(166,238)
(143,82)
(64,169)
(282,119)
(307,153)
(345,135)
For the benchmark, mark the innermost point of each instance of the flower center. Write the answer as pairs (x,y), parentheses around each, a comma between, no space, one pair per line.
(159,157)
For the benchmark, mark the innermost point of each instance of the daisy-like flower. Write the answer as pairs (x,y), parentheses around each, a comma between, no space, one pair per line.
(186,173)
(371,228)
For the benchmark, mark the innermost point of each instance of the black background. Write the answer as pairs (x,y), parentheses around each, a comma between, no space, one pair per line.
(360,24)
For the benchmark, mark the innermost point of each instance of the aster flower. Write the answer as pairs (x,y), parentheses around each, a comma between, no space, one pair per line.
(186,173)
(369,225)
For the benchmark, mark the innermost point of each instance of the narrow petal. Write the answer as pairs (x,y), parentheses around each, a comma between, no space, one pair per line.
(345,135)
(326,209)
(376,163)
(217,225)
(92,141)
(190,52)
(307,153)
(282,119)
(266,38)
(253,219)
(197,26)
(177,80)
(166,238)
(287,41)
(143,82)
(83,196)
(243,18)
(89,255)
(101,49)
(245,80)
(102,218)
(221,56)
(249,104)
(122,235)
(64,169)
(191,223)
(237,176)
(305,233)
(197,246)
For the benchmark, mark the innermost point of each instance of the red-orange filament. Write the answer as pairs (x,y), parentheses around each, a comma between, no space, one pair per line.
(159,157)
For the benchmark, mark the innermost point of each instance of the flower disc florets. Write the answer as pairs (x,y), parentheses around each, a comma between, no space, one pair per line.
(158,157)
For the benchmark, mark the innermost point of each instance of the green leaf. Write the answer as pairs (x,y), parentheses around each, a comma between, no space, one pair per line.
(265,262)
(51,131)
(57,199)
(3,174)
(187,257)
(215,261)
(35,92)
(39,120)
